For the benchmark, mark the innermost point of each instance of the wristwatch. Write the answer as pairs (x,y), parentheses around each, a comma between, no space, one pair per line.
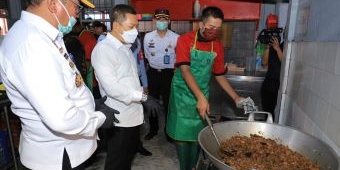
(144,97)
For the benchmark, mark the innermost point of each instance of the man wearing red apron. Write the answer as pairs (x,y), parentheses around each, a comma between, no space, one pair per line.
(199,53)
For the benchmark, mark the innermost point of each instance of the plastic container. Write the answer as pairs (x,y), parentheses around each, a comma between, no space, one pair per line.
(197,9)
(258,62)
(259,54)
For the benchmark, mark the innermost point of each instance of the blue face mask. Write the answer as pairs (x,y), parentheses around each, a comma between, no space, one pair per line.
(161,25)
(67,29)
(71,22)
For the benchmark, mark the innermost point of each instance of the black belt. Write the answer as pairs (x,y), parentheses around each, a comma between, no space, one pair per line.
(162,70)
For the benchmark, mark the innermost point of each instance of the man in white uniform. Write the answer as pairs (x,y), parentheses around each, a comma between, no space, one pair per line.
(57,111)
(116,72)
(159,49)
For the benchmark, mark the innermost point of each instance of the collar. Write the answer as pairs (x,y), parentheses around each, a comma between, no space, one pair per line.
(116,42)
(166,33)
(40,24)
(200,38)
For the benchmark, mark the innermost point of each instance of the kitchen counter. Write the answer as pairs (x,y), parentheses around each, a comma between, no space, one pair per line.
(245,84)
(247,73)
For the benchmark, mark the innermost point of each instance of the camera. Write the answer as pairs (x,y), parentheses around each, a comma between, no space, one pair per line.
(265,35)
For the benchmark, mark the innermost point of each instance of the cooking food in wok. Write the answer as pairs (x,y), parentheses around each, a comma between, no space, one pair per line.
(257,152)
(314,149)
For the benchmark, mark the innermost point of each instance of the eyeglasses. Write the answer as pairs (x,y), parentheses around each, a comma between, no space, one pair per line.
(79,7)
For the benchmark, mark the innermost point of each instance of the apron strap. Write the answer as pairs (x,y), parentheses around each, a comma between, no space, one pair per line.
(194,47)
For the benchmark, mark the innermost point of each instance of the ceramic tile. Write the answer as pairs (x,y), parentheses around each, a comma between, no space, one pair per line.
(334,97)
(332,127)
(325,85)
(337,59)
(320,113)
(308,54)
(329,57)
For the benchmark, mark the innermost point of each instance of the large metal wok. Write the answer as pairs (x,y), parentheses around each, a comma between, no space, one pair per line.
(307,145)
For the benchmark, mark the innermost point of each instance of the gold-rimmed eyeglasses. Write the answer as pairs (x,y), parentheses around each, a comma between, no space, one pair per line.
(79,7)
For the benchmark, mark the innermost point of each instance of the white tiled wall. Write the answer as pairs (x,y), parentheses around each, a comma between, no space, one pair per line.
(313,90)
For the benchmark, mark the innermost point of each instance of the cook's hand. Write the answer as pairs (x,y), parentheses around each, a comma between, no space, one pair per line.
(247,104)
(274,42)
(238,100)
(202,106)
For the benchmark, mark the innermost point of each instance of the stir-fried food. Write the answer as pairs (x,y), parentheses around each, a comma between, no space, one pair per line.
(257,152)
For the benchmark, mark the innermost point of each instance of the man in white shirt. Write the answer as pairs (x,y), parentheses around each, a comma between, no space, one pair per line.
(159,49)
(57,111)
(116,72)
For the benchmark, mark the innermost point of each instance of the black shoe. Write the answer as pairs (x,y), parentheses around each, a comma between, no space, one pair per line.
(143,151)
(150,135)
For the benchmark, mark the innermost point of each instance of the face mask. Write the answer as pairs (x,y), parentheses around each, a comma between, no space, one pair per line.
(71,22)
(130,36)
(211,34)
(161,25)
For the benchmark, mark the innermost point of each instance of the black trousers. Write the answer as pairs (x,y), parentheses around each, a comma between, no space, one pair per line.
(269,92)
(66,164)
(121,147)
(160,85)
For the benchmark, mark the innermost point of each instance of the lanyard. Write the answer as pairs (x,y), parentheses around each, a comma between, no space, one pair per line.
(78,80)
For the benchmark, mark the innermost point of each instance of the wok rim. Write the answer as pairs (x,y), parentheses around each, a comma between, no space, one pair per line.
(257,122)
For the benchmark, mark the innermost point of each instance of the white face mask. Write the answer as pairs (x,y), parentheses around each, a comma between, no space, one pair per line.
(130,36)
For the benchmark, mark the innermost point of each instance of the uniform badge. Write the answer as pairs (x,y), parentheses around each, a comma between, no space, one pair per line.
(151,44)
(61,50)
(170,46)
(79,80)
(71,64)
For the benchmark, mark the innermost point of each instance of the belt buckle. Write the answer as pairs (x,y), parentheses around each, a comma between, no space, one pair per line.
(159,70)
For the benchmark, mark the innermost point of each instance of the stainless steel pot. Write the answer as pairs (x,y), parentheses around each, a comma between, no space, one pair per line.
(305,144)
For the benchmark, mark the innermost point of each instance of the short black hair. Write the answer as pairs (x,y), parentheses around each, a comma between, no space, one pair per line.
(96,24)
(212,11)
(118,13)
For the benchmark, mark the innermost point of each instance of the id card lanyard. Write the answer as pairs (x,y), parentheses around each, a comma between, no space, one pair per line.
(78,80)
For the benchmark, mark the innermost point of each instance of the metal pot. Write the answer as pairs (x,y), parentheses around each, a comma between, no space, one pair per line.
(305,144)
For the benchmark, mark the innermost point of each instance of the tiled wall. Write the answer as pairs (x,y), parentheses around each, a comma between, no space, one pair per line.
(243,45)
(313,90)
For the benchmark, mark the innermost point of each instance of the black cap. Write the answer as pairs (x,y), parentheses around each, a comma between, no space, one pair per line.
(162,13)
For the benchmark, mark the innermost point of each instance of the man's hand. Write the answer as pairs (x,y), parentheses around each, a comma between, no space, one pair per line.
(274,42)
(247,104)
(152,106)
(107,111)
(202,106)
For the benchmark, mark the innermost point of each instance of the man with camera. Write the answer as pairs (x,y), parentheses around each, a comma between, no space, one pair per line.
(272,60)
